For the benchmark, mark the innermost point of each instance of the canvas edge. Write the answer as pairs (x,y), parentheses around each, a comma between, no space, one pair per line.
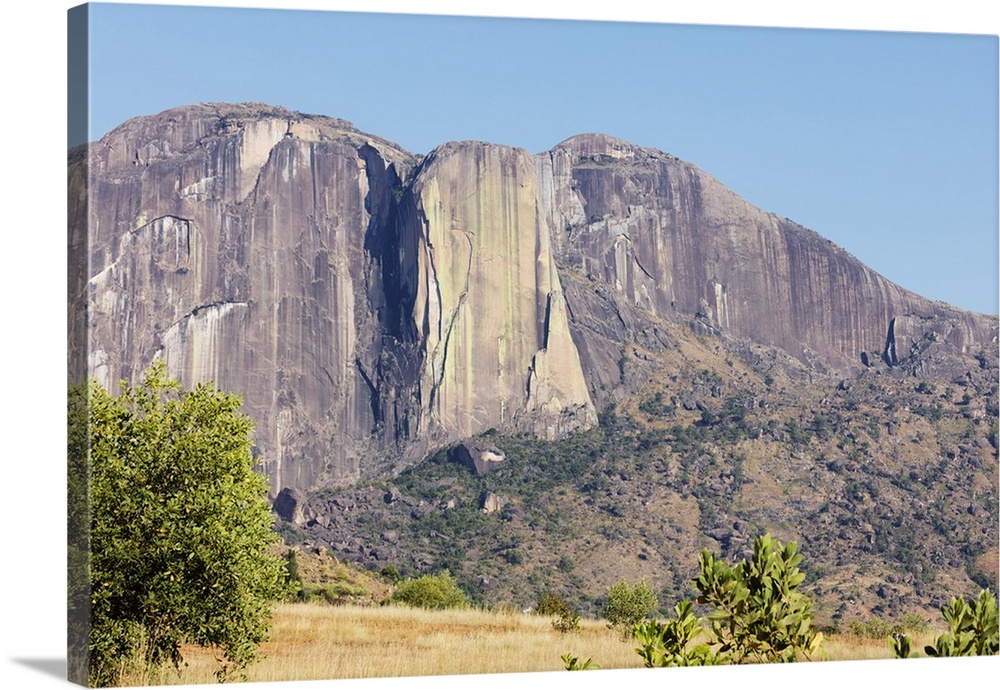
(77,251)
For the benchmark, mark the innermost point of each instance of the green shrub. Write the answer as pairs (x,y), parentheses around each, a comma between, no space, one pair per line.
(670,643)
(390,574)
(973,628)
(900,646)
(551,605)
(874,628)
(759,616)
(431,592)
(574,664)
(567,622)
(912,622)
(292,577)
(627,605)
(565,619)
(333,593)
(514,557)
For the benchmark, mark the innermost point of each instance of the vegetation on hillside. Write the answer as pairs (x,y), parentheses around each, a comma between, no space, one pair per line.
(887,482)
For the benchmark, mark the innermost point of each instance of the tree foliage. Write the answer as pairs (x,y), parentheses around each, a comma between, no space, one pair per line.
(759,616)
(627,605)
(573,663)
(180,529)
(78,536)
(899,643)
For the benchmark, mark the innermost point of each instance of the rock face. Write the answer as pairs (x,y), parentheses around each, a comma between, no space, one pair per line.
(488,307)
(672,241)
(229,240)
(371,306)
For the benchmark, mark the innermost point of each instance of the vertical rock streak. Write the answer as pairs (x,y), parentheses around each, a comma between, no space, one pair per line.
(489,285)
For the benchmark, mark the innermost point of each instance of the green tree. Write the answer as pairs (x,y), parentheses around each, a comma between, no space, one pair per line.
(180,529)
(431,592)
(78,537)
(627,605)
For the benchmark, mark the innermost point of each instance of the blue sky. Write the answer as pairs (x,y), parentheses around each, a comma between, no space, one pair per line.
(884,142)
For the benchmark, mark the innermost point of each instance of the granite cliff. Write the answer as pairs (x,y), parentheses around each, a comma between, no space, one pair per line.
(672,241)
(372,305)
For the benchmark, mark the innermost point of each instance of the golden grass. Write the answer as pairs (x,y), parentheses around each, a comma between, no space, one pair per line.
(852,647)
(316,641)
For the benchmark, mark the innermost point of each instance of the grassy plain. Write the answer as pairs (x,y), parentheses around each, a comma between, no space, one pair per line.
(318,641)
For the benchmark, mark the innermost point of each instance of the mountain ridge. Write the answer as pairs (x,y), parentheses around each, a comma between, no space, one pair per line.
(373,305)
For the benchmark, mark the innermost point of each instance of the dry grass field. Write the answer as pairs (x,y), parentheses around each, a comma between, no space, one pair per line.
(316,641)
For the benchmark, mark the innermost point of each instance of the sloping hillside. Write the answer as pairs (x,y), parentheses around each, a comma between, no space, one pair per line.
(887,480)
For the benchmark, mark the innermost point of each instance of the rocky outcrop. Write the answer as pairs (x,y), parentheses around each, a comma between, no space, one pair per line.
(925,344)
(364,320)
(372,306)
(479,458)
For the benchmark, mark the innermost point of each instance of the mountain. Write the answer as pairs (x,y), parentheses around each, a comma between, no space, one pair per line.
(373,306)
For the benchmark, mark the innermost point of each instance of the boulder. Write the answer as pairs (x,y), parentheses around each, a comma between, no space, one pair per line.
(292,505)
(479,458)
(490,502)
